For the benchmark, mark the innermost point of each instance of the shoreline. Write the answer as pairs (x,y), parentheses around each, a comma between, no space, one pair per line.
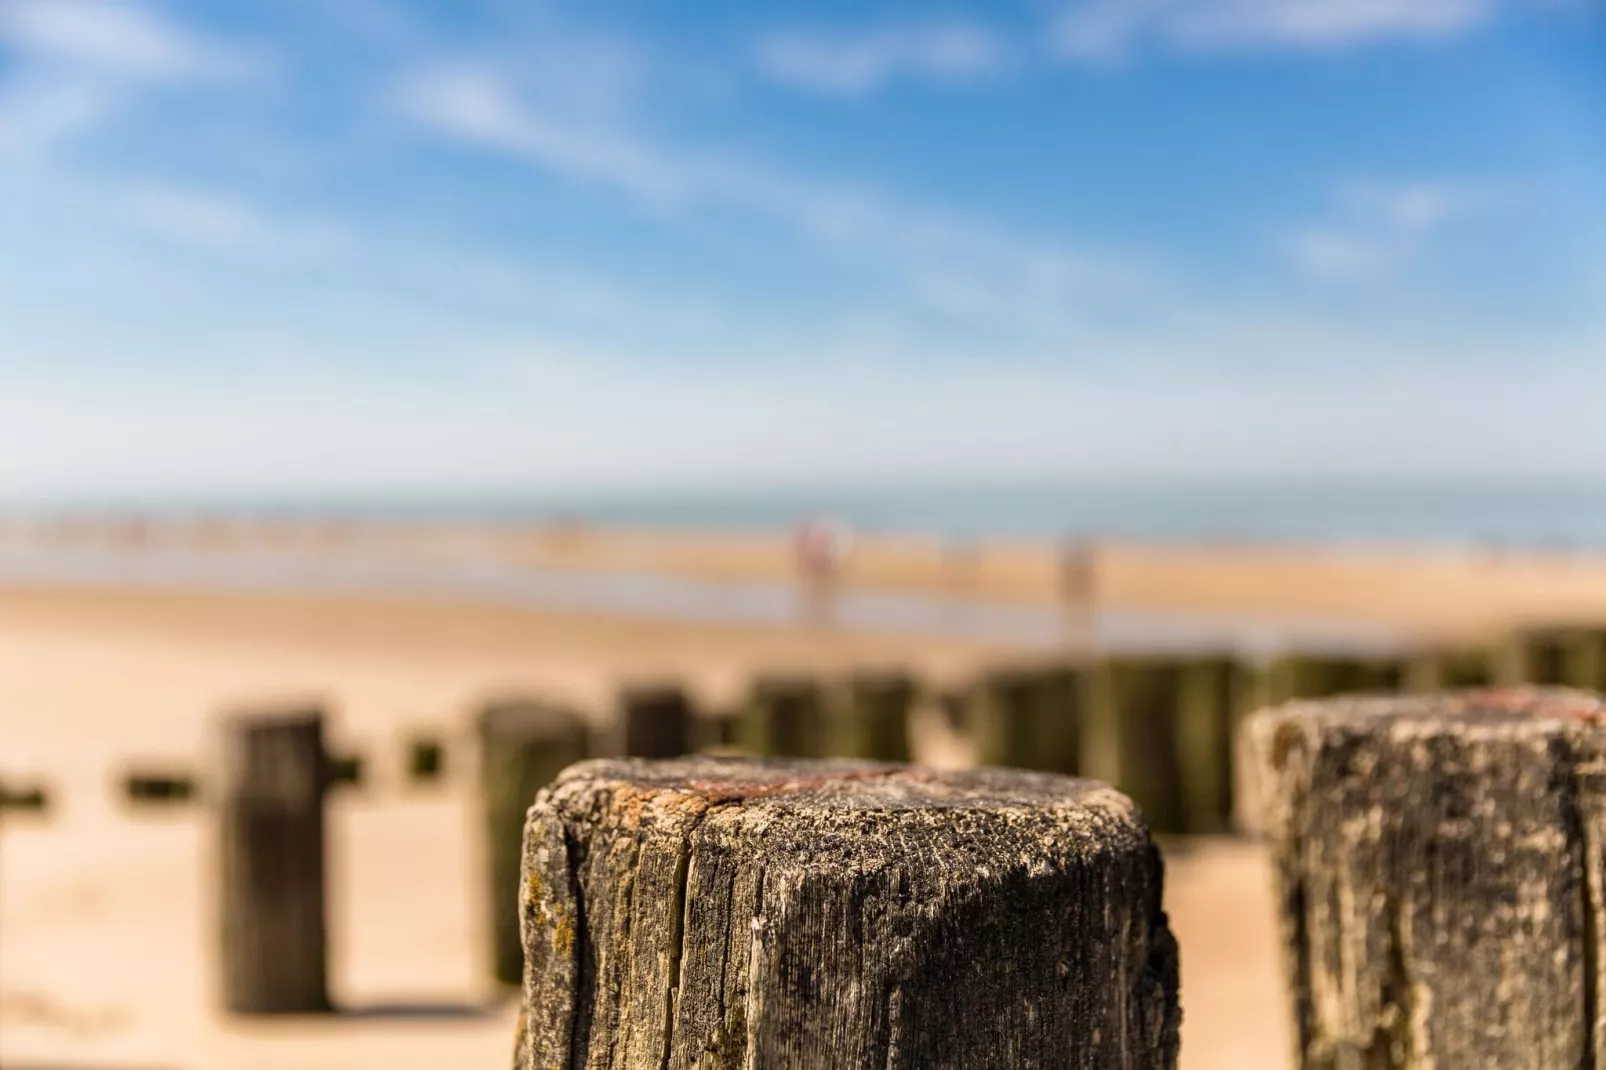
(1427,592)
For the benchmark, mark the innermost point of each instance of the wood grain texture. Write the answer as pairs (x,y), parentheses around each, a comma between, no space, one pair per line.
(1439,862)
(725,913)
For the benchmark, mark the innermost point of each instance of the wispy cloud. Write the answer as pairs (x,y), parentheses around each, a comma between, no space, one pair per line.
(952,263)
(77,63)
(1374,229)
(1111,29)
(213,223)
(852,64)
(117,40)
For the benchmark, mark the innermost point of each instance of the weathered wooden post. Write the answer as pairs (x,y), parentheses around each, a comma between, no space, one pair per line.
(655,721)
(1297,676)
(873,721)
(1449,669)
(797,915)
(1571,655)
(1209,707)
(1134,707)
(1440,860)
(786,717)
(426,757)
(1029,717)
(152,787)
(273,776)
(523,745)
(1003,717)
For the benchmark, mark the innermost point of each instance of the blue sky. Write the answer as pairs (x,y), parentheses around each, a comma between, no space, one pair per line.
(286,246)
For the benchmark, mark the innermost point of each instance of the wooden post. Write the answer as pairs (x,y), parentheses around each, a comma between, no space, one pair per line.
(152,787)
(655,721)
(1136,704)
(1209,707)
(426,757)
(796,915)
(523,745)
(1573,656)
(1296,676)
(1449,669)
(273,777)
(1440,860)
(874,719)
(786,717)
(1029,717)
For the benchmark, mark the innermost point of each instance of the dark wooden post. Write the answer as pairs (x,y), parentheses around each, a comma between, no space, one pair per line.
(1298,676)
(797,915)
(1030,717)
(1568,655)
(1440,864)
(275,949)
(1209,707)
(655,721)
(786,717)
(1135,707)
(874,719)
(426,757)
(1449,669)
(523,745)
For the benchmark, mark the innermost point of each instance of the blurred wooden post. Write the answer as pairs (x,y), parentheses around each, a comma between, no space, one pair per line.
(1003,717)
(655,721)
(426,757)
(825,920)
(1449,669)
(1135,707)
(874,719)
(273,776)
(1209,708)
(1296,676)
(786,717)
(523,745)
(1440,862)
(146,787)
(1565,655)
(1030,717)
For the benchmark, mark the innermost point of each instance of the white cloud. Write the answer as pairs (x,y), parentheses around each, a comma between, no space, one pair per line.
(116,40)
(37,113)
(209,222)
(77,63)
(1375,229)
(853,64)
(954,264)
(1106,29)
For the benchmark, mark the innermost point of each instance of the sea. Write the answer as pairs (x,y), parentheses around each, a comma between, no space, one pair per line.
(1535,514)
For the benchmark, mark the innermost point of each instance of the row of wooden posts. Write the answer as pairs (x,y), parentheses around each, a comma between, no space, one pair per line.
(1160,729)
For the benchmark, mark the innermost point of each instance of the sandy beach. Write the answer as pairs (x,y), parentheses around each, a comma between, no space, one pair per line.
(106,930)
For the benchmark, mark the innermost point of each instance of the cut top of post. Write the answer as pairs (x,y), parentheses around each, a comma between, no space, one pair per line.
(875,794)
(1517,707)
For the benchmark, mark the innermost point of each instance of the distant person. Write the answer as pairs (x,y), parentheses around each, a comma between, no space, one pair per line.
(820,547)
(1078,567)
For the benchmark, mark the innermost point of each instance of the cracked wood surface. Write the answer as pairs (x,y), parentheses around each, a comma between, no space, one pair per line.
(725,913)
(1439,869)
